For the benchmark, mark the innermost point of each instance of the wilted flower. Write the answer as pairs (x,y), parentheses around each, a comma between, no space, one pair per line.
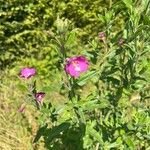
(76,65)
(27,72)
(102,35)
(39,96)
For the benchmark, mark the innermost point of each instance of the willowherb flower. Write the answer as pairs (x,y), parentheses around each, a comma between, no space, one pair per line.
(27,72)
(76,65)
(39,96)
(102,36)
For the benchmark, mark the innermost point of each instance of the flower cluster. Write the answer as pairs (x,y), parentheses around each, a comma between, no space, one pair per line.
(75,66)
(27,73)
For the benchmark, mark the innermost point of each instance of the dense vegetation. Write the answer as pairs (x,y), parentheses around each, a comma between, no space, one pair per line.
(107,107)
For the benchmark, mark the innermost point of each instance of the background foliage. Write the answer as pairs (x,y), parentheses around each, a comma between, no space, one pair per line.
(118,95)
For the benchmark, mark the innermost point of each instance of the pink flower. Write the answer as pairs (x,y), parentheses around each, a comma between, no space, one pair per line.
(76,65)
(27,72)
(39,96)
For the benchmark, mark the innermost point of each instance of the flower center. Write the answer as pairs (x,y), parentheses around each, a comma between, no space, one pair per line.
(40,96)
(76,65)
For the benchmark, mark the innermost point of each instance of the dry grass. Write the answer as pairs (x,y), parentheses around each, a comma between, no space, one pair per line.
(17,129)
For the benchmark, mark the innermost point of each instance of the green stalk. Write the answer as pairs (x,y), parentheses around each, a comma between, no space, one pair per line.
(110,4)
(70,84)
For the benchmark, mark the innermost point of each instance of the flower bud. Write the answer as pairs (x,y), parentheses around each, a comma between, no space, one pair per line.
(39,96)
(102,36)
(121,42)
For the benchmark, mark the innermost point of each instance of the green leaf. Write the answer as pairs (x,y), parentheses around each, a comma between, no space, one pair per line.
(71,38)
(82,116)
(113,80)
(94,134)
(83,79)
(101,18)
(128,4)
(22,87)
(130,143)
(93,104)
(138,32)
(143,70)
(47,88)
(147,136)
(40,133)
(94,44)
(55,131)
(140,78)
(113,145)
(108,16)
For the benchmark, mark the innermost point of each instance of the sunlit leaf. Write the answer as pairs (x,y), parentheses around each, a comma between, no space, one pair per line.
(83,79)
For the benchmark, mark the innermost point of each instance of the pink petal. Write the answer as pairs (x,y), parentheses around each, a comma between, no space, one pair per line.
(76,65)
(70,70)
(27,72)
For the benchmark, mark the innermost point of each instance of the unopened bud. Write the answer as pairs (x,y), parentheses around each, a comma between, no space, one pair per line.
(102,36)
(121,42)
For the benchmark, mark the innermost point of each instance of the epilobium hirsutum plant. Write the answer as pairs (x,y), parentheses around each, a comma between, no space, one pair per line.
(106,86)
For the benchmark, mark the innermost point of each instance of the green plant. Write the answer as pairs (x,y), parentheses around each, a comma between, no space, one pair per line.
(115,114)
(106,107)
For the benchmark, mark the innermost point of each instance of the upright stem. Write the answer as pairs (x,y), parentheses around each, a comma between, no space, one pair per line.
(71,94)
(110,4)
(146,10)
(71,88)
(97,146)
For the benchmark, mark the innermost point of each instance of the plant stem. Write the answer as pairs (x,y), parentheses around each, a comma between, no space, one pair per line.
(97,146)
(110,4)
